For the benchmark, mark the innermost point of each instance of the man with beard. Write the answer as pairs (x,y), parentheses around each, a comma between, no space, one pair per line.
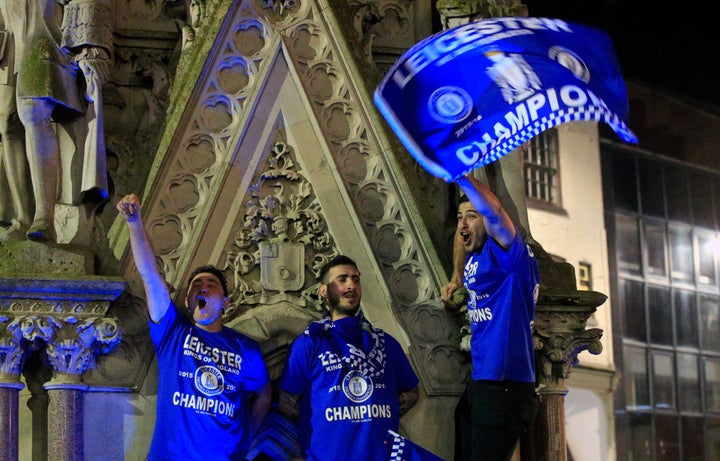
(500,273)
(345,381)
(213,387)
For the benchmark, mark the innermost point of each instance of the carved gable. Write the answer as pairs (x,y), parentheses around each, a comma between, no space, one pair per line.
(276,162)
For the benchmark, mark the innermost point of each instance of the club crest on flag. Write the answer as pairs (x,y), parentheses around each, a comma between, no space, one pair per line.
(467,96)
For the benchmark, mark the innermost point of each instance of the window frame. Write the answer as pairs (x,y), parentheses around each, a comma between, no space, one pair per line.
(547,145)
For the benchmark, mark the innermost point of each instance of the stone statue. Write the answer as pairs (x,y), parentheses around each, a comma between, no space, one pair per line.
(458,12)
(54,58)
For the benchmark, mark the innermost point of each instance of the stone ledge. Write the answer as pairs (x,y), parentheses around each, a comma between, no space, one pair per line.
(28,258)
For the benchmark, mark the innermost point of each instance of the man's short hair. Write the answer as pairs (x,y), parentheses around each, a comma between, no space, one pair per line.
(463,198)
(339,260)
(211,270)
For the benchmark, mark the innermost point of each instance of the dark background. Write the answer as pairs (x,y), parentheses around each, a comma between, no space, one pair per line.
(672,49)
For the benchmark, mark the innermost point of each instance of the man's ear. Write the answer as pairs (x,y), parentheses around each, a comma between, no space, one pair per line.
(322,290)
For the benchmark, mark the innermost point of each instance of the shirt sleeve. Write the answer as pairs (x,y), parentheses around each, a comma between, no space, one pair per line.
(159,331)
(254,369)
(404,373)
(517,251)
(296,375)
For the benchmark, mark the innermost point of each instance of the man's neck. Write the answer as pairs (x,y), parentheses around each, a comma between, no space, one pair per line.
(212,327)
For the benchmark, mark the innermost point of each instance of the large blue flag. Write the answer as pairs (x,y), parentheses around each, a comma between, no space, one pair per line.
(467,96)
(402,449)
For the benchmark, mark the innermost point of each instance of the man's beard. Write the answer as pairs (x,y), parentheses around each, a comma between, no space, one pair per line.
(335,305)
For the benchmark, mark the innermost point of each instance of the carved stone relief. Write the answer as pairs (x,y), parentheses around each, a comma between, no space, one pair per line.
(457,12)
(196,166)
(282,233)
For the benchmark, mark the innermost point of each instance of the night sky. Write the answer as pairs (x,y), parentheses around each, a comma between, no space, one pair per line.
(669,49)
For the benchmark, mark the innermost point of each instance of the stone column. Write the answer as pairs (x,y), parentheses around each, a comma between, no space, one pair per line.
(65,421)
(560,335)
(65,319)
(71,352)
(9,420)
(11,361)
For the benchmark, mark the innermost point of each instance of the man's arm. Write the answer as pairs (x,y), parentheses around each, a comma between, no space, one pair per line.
(289,405)
(498,224)
(260,407)
(459,256)
(408,400)
(156,291)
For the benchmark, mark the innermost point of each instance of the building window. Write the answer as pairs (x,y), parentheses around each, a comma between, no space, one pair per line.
(585,276)
(635,377)
(655,243)
(712,384)
(541,168)
(663,380)
(706,246)
(665,225)
(681,254)
(688,370)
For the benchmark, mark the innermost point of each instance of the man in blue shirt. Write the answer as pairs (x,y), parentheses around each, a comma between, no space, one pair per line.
(213,387)
(500,273)
(346,382)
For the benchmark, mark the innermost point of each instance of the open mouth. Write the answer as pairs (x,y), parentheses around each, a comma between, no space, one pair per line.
(201,302)
(465,237)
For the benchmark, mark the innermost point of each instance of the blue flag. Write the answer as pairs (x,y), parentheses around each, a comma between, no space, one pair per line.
(467,96)
(401,449)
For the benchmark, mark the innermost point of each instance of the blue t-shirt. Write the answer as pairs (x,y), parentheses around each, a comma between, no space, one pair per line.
(349,375)
(204,383)
(503,287)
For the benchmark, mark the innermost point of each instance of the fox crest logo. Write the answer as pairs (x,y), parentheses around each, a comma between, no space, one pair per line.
(209,380)
(357,386)
(513,75)
(449,104)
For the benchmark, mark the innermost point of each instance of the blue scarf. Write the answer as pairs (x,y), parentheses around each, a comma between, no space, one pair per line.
(368,357)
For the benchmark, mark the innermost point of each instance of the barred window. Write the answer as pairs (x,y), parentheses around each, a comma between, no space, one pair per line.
(541,168)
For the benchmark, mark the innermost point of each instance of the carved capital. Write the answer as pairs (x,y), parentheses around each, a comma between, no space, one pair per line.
(66,317)
(560,334)
(75,345)
(11,349)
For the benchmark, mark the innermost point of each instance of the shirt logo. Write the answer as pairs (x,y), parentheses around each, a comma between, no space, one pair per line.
(209,380)
(357,386)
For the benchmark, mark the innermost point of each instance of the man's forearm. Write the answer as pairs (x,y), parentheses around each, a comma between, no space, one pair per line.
(260,407)
(289,405)
(408,400)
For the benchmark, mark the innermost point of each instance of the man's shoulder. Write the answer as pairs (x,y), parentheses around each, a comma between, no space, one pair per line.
(172,318)
(390,340)
(317,329)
